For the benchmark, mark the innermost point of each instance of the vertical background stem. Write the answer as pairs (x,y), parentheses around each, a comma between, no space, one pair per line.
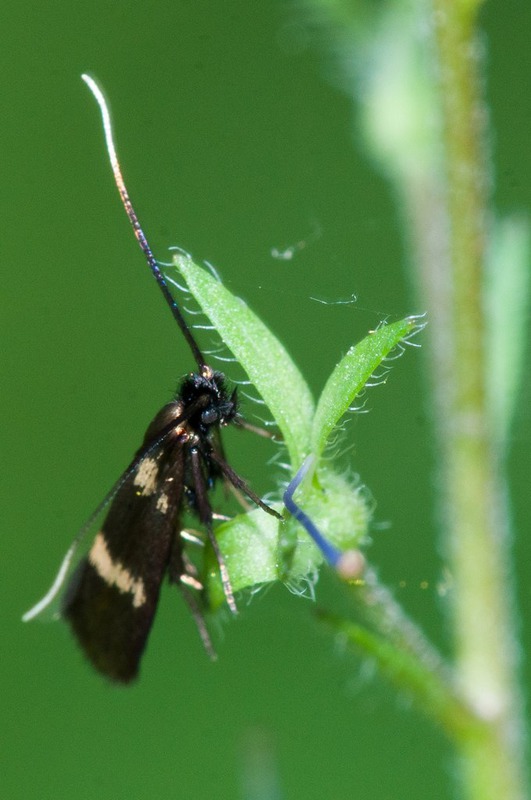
(475,491)
(408,80)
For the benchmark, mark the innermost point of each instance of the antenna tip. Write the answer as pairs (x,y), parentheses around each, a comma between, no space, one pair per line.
(351,565)
(95,89)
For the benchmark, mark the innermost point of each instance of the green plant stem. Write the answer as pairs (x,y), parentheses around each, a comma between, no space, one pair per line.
(445,201)
(476,510)
(383,632)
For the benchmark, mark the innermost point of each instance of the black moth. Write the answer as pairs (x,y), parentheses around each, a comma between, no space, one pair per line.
(112,597)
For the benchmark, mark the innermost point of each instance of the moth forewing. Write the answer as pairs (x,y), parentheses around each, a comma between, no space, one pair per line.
(50,606)
(111,600)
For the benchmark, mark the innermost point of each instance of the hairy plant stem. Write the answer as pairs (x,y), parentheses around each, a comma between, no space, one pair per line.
(443,191)
(477,522)
(384,633)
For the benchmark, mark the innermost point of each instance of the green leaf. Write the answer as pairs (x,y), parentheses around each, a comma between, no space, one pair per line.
(251,543)
(352,373)
(261,355)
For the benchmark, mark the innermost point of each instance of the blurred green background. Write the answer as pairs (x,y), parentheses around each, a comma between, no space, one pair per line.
(234,140)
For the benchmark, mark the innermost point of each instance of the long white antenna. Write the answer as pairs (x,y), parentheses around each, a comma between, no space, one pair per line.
(139,233)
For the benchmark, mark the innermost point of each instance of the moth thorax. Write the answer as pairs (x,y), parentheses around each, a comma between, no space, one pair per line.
(208,395)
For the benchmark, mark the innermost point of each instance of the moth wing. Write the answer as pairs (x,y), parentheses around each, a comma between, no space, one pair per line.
(112,597)
(50,606)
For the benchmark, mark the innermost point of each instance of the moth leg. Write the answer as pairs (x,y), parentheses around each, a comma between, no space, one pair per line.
(221,517)
(205,515)
(240,497)
(234,479)
(199,620)
(189,572)
(275,436)
(193,536)
(191,581)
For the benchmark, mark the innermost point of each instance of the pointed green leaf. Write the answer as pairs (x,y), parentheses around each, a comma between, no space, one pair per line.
(261,355)
(352,373)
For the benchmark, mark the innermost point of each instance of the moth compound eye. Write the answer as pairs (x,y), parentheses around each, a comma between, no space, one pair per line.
(209,416)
